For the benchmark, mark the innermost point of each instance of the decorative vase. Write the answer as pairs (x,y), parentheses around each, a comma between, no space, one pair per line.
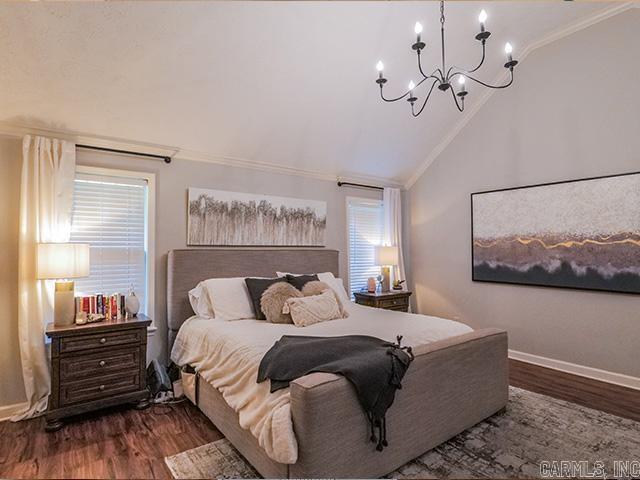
(371,285)
(132,304)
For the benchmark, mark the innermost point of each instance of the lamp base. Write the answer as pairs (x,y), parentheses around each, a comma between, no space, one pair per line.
(64,309)
(386,279)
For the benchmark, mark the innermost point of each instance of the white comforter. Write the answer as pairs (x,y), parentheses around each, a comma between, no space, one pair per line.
(227,354)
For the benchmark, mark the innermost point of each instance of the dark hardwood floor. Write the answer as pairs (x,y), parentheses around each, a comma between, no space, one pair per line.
(127,443)
(116,443)
(615,399)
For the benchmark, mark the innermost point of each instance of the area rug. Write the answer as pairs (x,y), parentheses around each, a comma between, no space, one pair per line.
(514,444)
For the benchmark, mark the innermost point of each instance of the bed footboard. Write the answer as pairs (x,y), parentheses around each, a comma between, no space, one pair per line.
(451,385)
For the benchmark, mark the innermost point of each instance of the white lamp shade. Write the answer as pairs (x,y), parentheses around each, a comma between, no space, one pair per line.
(386,256)
(62,260)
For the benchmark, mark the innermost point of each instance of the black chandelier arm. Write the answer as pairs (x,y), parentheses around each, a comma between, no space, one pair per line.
(508,84)
(484,53)
(464,71)
(432,75)
(406,93)
(455,99)
(424,104)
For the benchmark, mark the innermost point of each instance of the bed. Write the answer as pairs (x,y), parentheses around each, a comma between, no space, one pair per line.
(458,377)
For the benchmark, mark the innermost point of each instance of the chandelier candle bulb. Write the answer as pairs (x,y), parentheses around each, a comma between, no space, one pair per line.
(380,68)
(418,29)
(508,49)
(461,81)
(483,18)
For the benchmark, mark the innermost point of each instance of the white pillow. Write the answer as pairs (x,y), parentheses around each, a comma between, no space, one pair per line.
(199,300)
(229,298)
(328,278)
(338,286)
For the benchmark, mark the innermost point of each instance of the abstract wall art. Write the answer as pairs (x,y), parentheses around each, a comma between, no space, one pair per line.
(217,217)
(578,234)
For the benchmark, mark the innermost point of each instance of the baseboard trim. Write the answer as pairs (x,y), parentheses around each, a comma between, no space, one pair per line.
(575,369)
(8,411)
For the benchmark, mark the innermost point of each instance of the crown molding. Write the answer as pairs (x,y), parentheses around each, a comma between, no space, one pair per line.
(551,37)
(16,130)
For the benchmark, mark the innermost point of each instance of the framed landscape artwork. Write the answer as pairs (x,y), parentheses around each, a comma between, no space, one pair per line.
(578,234)
(217,217)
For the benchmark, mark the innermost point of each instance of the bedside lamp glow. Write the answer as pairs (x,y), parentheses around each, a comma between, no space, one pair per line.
(386,257)
(60,262)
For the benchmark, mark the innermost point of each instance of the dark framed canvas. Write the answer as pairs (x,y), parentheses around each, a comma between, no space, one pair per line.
(582,234)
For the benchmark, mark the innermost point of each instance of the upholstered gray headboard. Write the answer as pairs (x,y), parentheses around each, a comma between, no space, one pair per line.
(185,268)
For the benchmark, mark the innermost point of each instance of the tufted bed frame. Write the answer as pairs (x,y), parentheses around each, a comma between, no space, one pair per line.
(451,385)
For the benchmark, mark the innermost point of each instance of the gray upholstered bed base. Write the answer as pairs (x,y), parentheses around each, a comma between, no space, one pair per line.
(451,385)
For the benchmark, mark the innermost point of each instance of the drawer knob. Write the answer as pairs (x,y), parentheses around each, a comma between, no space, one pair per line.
(101,387)
(102,363)
(103,340)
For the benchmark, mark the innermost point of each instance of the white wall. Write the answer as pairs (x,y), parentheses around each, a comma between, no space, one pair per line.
(573,112)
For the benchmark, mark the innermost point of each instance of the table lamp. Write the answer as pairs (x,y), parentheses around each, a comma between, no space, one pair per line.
(386,257)
(60,262)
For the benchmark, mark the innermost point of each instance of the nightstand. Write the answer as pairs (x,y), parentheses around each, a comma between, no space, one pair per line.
(97,365)
(393,300)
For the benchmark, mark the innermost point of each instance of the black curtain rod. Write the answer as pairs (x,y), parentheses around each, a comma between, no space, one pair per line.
(361,185)
(126,152)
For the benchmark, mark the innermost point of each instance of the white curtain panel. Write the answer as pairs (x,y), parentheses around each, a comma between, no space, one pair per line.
(46,203)
(393,227)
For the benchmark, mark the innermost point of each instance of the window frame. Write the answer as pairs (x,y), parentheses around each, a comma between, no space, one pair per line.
(348,199)
(150,227)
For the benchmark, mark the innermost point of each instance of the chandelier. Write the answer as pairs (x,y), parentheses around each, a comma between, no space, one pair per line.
(443,77)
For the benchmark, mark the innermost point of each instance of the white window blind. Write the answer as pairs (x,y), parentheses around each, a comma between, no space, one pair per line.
(110,213)
(365,224)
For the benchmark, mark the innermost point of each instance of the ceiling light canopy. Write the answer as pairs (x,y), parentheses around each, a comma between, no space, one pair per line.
(443,76)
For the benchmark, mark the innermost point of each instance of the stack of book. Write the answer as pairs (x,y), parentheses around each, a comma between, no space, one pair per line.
(110,307)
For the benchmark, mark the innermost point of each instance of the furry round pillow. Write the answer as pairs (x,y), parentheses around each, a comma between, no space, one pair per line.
(274,298)
(317,288)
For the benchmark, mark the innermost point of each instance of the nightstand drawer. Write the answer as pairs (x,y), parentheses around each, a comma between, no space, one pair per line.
(393,302)
(109,339)
(90,365)
(99,387)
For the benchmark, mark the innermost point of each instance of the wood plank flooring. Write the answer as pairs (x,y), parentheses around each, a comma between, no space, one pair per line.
(615,399)
(115,443)
(125,443)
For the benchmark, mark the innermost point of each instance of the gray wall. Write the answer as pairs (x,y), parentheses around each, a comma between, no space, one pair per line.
(172,182)
(573,112)
(11,386)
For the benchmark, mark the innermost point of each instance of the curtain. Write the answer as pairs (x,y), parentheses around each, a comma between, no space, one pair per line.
(392,216)
(46,203)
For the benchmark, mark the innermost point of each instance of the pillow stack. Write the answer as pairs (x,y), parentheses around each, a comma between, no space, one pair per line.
(240,298)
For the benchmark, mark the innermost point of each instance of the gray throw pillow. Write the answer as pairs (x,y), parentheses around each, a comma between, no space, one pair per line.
(299,281)
(256,287)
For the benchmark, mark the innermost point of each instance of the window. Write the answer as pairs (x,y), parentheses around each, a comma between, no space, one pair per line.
(365,227)
(113,212)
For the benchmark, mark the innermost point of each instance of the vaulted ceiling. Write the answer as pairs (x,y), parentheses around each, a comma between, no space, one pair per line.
(289,84)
